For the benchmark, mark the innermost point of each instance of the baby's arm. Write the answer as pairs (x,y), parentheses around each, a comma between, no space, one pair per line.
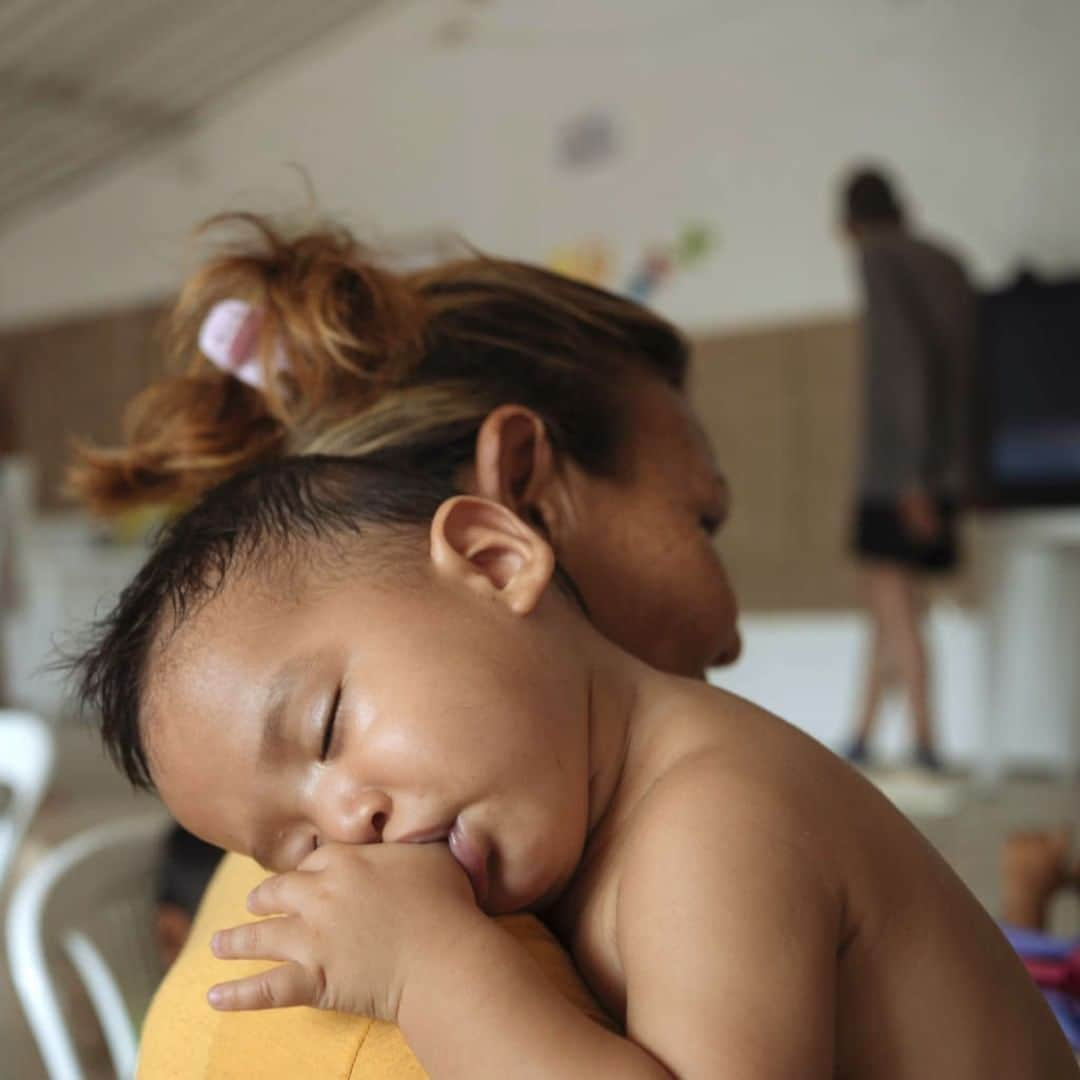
(728,932)
(391,931)
(485,1009)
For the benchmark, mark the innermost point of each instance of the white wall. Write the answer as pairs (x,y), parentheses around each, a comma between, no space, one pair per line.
(806,668)
(69,579)
(736,111)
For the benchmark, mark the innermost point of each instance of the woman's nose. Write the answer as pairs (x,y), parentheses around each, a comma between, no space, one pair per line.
(731,651)
(350,816)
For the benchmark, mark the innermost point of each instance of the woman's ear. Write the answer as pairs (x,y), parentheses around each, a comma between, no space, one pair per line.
(515,464)
(486,546)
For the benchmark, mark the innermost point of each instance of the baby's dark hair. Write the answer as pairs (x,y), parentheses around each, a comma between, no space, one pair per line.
(289,508)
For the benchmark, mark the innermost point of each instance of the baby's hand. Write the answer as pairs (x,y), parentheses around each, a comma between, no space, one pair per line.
(355,923)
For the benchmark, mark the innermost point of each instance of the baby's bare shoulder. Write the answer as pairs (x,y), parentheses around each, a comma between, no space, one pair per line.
(729,758)
(708,792)
(717,869)
(739,790)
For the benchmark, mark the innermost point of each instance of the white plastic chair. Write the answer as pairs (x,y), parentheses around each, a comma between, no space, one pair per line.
(92,900)
(26,763)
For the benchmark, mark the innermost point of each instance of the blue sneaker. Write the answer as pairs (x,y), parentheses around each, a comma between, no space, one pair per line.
(856,752)
(926,758)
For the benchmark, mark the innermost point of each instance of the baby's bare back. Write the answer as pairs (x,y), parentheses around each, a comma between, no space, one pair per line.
(923,982)
(928,985)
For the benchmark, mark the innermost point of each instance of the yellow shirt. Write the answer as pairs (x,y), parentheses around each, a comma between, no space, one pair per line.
(184,1039)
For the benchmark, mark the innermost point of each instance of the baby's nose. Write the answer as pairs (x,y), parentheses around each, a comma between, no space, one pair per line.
(358,817)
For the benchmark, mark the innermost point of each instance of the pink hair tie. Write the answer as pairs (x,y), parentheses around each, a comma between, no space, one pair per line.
(228,338)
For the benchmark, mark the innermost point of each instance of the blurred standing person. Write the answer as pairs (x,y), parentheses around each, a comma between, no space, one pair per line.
(918,339)
(10,507)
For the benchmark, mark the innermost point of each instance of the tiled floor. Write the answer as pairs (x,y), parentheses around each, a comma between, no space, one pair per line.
(966,824)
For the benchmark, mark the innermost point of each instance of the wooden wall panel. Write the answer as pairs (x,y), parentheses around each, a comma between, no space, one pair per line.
(826,363)
(72,380)
(742,391)
(780,404)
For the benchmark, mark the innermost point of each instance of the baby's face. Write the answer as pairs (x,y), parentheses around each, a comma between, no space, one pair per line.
(360,712)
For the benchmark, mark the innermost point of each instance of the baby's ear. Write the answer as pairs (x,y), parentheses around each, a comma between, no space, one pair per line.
(489,548)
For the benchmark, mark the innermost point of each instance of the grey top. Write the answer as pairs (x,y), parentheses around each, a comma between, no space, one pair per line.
(919,338)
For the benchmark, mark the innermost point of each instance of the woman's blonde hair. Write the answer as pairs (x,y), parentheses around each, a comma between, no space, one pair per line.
(380,363)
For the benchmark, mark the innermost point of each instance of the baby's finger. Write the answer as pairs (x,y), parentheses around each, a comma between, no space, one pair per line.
(280,894)
(270,939)
(278,988)
(320,858)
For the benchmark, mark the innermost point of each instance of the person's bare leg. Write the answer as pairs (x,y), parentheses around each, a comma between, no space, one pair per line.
(1034,866)
(901,611)
(874,686)
(877,667)
(915,663)
(4,703)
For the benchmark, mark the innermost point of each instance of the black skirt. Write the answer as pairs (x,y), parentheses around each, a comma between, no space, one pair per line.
(880,536)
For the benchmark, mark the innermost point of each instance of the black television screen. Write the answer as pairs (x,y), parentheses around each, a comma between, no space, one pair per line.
(1028,390)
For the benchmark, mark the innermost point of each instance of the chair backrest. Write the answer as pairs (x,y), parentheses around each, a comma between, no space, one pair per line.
(91,901)
(26,761)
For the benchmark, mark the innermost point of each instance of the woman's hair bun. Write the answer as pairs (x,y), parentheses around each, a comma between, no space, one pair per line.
(346,326)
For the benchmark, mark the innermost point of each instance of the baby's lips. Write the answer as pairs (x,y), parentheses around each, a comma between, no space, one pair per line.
(473,860)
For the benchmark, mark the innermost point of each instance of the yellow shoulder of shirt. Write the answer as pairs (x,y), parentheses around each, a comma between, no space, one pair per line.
(184,1039)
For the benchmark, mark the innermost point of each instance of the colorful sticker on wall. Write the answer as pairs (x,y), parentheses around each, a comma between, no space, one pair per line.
(593,261)
(590,261)
(694,243)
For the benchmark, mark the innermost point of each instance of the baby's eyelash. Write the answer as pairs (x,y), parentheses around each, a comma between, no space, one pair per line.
(328,729)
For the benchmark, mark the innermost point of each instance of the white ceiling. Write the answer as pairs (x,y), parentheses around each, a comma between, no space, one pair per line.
(84,82)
